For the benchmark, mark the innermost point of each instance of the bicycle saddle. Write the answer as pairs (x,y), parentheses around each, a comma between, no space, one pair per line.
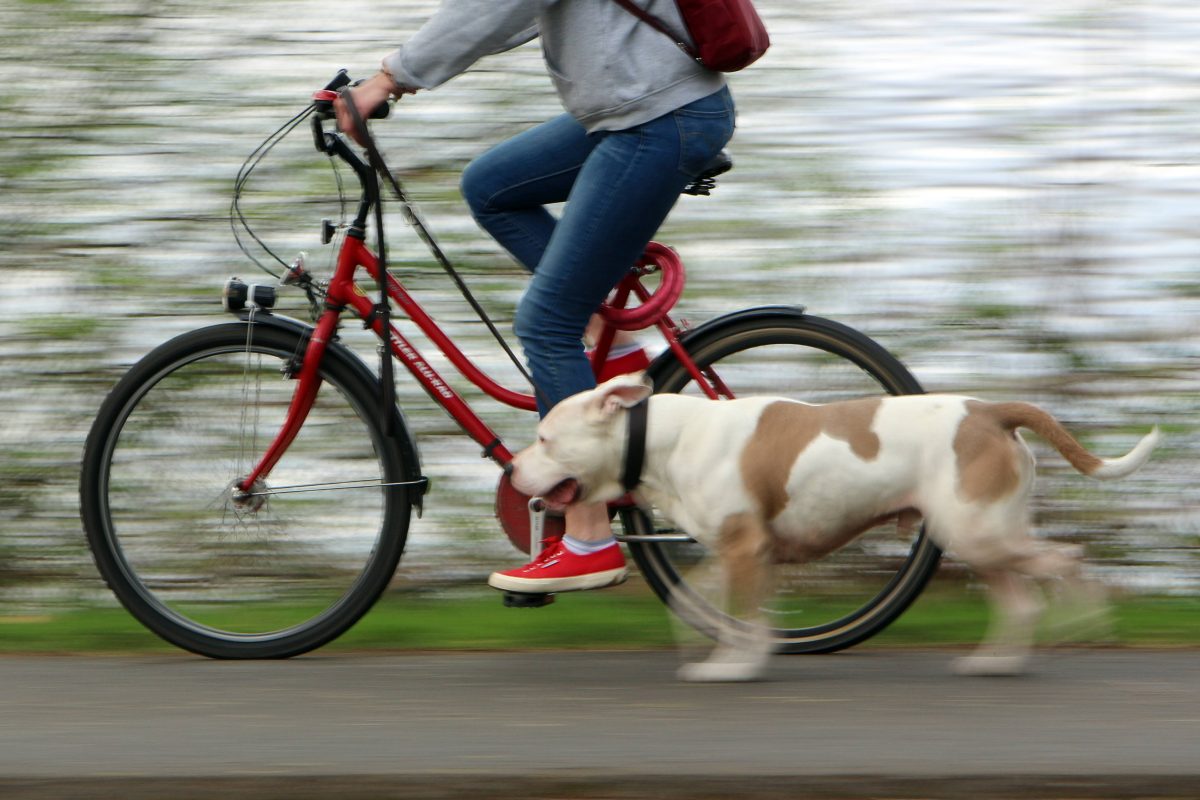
(706,181)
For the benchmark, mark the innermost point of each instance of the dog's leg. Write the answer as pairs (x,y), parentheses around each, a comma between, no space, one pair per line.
(1082,610)
(1015,611)
(742,650)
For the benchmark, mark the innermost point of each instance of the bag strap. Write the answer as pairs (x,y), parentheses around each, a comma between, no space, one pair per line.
(658,25)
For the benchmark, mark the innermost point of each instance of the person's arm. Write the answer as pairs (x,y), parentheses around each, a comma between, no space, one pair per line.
(458,34)
(367,96)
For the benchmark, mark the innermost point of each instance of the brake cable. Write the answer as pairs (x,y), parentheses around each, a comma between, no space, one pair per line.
(413,218)
(248,166)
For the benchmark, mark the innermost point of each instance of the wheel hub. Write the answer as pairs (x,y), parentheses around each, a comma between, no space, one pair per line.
(248,501)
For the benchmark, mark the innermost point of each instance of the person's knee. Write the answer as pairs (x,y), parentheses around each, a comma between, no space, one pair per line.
(525,322)
(476,188)
(543,331)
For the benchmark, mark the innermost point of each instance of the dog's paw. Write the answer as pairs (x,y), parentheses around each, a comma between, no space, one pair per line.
(726,666)
(991,666)
(723,672)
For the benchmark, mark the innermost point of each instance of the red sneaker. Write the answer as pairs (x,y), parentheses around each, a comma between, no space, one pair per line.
(633,361)
(557,569)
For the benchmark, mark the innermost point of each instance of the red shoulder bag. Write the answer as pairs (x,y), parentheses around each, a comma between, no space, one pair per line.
(728,34)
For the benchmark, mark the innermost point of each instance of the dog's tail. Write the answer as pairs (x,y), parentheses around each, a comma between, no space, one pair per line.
(1024,415)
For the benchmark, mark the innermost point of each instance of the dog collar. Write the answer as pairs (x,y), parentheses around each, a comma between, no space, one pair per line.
(635,445)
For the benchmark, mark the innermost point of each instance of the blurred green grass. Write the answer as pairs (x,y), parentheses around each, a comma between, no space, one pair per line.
(628,618)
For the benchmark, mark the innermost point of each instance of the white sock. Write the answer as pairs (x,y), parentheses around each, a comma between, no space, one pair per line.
(586,548)
(618,350)
(625,349)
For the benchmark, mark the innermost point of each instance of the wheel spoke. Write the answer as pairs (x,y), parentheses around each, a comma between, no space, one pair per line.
(332,486)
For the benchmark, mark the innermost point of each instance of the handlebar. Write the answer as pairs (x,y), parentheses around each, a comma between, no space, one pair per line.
(342,78)
(335,144)
(323,98)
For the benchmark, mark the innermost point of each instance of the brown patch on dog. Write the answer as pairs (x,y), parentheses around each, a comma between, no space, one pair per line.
(785,429)
(1024,415)
(744,543)
(987,452)
(986,455)
(851,422)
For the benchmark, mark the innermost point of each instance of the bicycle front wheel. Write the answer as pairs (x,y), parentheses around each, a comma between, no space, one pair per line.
(271,575)
(821,606)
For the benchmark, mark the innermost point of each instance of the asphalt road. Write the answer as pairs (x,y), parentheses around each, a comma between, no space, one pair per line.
(879,723)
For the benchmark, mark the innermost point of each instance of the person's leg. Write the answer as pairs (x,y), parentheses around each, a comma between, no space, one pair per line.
(621,195)
(627,185)
(508,187)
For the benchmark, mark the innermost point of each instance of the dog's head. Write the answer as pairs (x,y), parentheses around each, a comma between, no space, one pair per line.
(578,453)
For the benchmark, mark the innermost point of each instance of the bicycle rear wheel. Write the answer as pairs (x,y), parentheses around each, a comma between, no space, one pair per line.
(849,595)
(268,576)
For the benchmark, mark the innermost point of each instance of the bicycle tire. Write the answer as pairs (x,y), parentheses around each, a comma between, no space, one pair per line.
(835,602)
(228,579)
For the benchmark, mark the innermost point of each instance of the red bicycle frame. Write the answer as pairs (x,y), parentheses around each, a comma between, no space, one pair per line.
(343,292)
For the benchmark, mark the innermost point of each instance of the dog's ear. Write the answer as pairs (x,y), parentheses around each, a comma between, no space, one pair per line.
(623,391)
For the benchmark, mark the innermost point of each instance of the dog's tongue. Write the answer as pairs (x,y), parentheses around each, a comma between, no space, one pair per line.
(563,494)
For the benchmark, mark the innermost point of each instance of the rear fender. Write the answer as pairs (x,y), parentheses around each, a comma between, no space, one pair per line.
(716,327)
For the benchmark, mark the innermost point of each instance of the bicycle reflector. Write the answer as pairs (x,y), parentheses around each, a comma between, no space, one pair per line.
(238,296)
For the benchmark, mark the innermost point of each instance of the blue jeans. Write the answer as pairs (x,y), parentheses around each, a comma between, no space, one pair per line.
(618,187)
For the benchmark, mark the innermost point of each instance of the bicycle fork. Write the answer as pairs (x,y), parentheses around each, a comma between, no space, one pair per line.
(308,384)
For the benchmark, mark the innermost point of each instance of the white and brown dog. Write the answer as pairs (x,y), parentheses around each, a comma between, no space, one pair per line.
(745,476)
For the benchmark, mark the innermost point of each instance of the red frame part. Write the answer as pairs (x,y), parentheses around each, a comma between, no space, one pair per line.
(344,293)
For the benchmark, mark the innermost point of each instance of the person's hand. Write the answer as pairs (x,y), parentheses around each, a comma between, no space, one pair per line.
(366,97)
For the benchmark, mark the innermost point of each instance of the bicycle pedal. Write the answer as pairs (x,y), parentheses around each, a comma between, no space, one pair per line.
(527,600)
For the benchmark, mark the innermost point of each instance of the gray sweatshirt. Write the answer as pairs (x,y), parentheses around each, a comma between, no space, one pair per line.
(612,71)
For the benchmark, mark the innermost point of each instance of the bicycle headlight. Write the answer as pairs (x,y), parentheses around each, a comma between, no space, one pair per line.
(238,296)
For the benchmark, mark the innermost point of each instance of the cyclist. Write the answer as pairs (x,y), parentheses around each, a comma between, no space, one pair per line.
(643,119)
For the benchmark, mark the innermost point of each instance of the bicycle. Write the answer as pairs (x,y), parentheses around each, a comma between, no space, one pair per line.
(240,516)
